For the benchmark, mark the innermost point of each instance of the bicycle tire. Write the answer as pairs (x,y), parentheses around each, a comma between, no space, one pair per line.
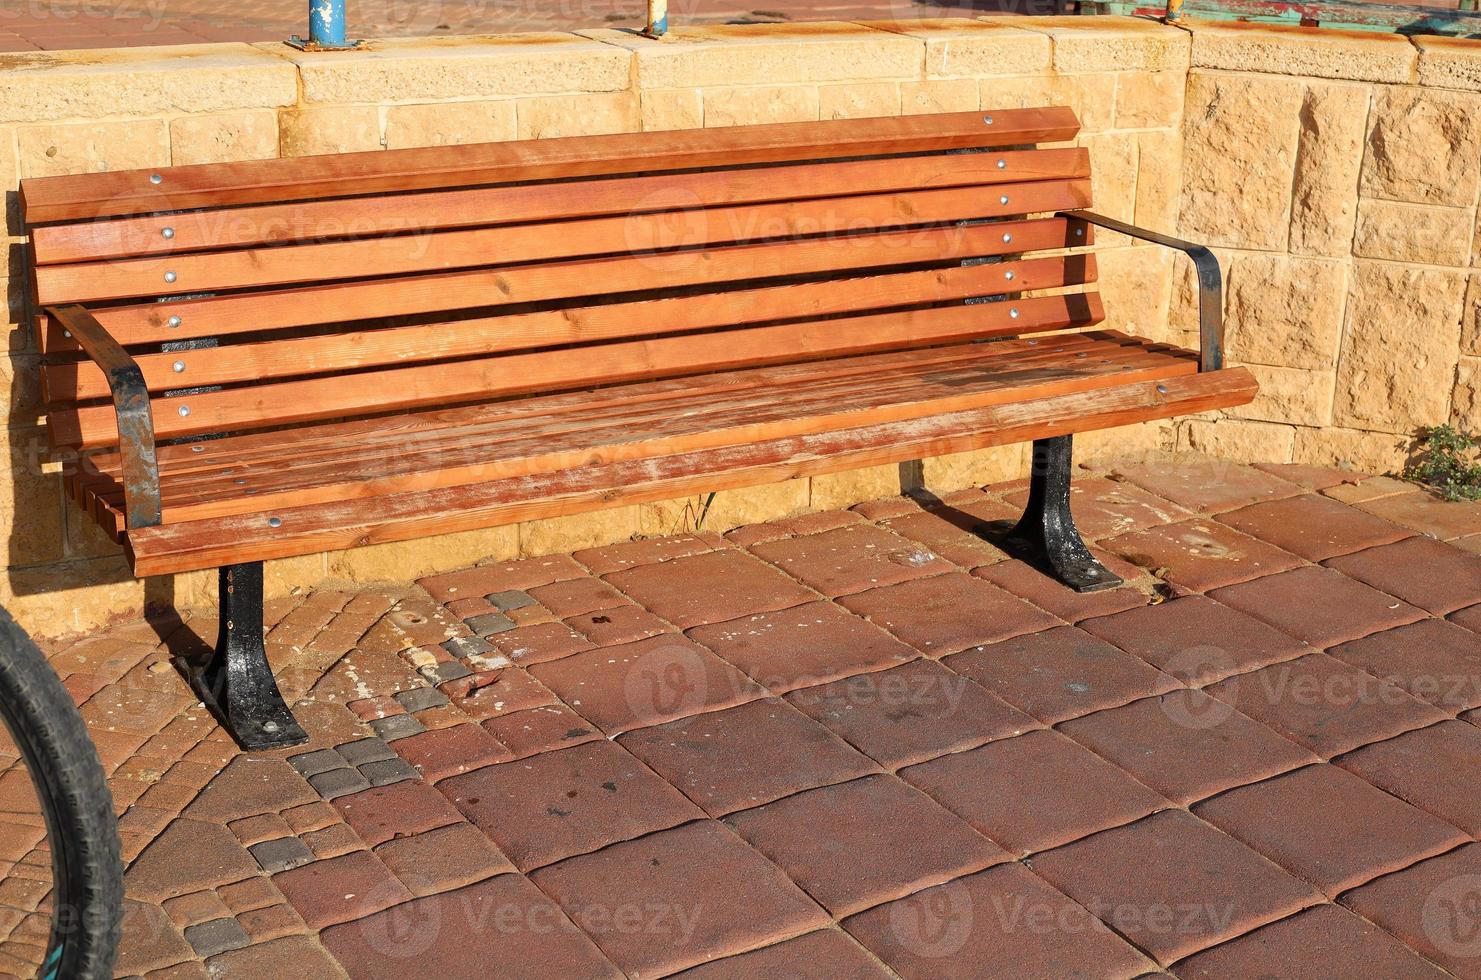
(87,873)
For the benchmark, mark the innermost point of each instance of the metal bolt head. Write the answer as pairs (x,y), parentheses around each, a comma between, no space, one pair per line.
(173,321)
(67,334)
(197,449)
(1013,313)
(179,367)
(184,410)
(987,119)
(156,179)
(1162,389)
(1002,164)
(1079,232)
(1010,274)
(168,232)
(1003,199)
(170,277)
(1007,236)
(274,522)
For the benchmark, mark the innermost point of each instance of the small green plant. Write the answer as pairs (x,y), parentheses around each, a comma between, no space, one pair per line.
(1449,460)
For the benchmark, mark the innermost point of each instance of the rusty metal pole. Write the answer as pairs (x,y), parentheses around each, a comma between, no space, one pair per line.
(658,18)
(326,28)
(1174,11)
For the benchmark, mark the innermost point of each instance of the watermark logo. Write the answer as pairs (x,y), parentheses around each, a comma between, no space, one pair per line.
(1451,917)
(935,923)
(669,680)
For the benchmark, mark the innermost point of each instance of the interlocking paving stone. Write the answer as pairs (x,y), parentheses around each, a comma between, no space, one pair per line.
(501,577)
(312,763)
(187,856)
(1430,907)
(442,935)
(1196,639)
(556,804)
(541,729)
(1325,941)
(1433,660)
(837,842)
(1470,618)
(1002,922)
(449,751)
(1206,484)
(809,644)
(1422,571)
(611,558)
(397,810)
(341,889)
(1174,885)
(1437,769)
(1324,704)
(1103,508)
(1426,514)
(421,698)
(463,647)
(710,588)
(1318,605)
(1060,673)
(510,600)
(577,596)
(948,613)
(442,859)
(528,645)
(388,771)
(851,559)
(488,624)
(1201,555)
(712,895)
(1329,827)
(952,533)
(825,954)
(216,936)
(281,855)
(1313,526)
(289,956)
(1186,745)
(654,680)
(338,782)
(442,673)
(1049,594)
(397,726)
(910,713)
(619,624)
(745,756)
(1035,791)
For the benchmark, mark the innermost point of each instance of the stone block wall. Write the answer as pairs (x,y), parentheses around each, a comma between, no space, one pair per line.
(1336,175)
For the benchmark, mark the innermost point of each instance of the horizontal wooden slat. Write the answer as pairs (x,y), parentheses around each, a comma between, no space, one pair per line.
(91,196)
(267,360)
(283,309)
(330,527)
(338,396)
(545,241)
(306,221)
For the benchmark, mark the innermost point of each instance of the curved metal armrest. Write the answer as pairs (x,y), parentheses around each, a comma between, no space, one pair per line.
(131,403)
(1210,283)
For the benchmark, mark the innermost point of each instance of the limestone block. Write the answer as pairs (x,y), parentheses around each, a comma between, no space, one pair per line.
(1159,179)
(1423,146)
(1239,156)
(1449,62)
(1400,347)
(1292,395)
(1353,449)
(82,148)
(419,70)
(1413,233)
(20,387)
(579,115)
(30,508)
(1328,158)
(315,130)
(1470,326)
(1465,409)
(1320,52)
(1113,43)
(1113,167)
(84,537)
(1284,311)
(1149,99)
(45,86)
(977,468)
(66,599)
(858,100)
(1241,440)
(729,509)
(681,108)
(10,168)
(760,104)
(401,561)
(1135,284)
(450,123)
(1093,97)
(592,529)
(835,491)
(960,48)
(224,137)
(1142,440)
(777,54)
(939,95)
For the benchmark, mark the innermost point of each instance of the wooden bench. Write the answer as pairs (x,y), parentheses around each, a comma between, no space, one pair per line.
(268,359)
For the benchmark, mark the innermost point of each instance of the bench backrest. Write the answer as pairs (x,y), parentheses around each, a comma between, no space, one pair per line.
(261,294)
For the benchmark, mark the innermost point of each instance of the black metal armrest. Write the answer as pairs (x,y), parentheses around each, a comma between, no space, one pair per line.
(131,403)
(1210,283)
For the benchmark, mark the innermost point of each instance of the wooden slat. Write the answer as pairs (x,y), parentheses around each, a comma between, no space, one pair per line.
(545,241)
(397,389)
(283,309)
(305,221)
(297,357)
(330,527)
(90,196)
(743,416)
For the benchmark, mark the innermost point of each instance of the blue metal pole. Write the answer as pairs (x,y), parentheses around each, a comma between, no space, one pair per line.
(658,18)
(327,23)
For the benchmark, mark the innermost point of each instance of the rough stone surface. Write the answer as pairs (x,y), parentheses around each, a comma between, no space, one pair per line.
(1289,50)
(1413,233)
(1328,157)
(1113,44)
(448,124)
(1285,311)
(1422,147)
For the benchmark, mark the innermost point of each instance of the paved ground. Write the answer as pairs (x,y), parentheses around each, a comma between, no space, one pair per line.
(843,745)
(28,25)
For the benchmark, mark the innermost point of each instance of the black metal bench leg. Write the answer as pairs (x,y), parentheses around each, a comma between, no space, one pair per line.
(1047,530)
(237,681)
